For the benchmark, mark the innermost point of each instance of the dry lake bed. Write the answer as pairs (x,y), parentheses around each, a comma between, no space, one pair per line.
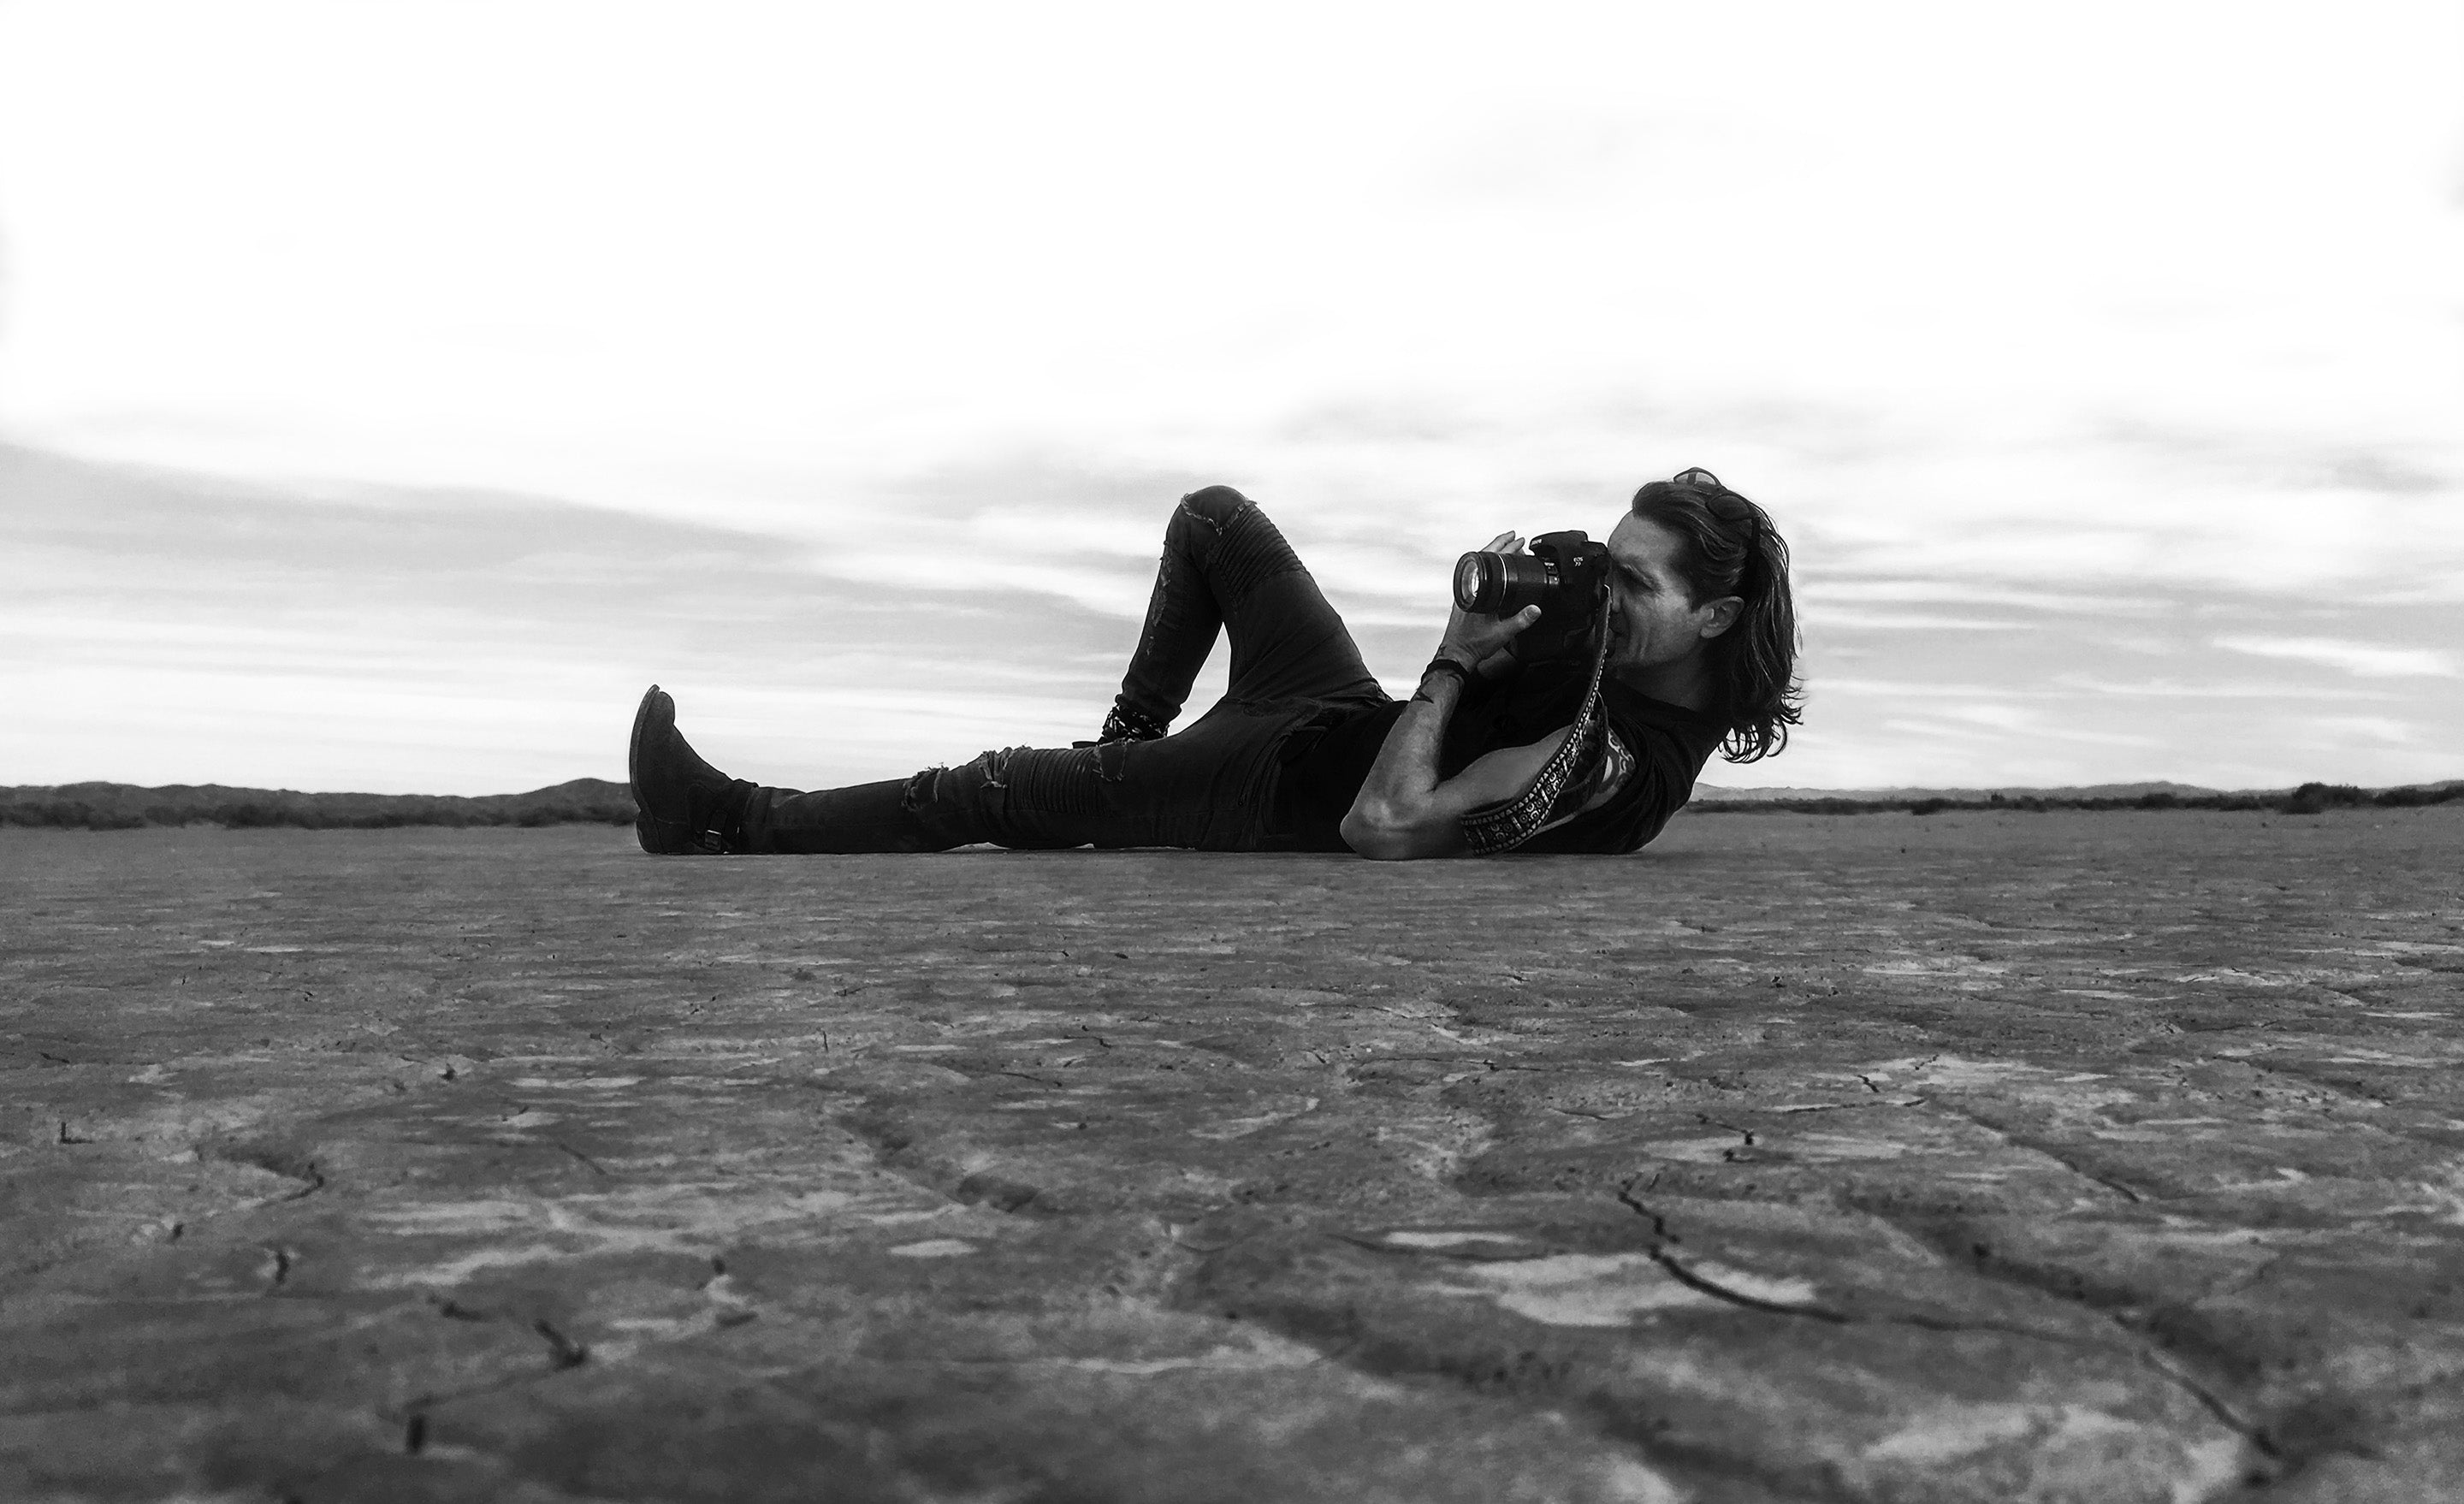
(2029,1157)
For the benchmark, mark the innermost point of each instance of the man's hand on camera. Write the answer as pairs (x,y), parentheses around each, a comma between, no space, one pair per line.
(1483,644)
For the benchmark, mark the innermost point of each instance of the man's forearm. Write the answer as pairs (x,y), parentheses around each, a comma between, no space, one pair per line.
(1405,773)
(1404,808)
(1393,815)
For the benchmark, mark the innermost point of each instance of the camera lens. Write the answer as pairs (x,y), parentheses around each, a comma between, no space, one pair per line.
(1480,581)
(1498,585)
(1528,582)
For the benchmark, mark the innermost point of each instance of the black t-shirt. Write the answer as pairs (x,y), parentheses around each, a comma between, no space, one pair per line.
(1656,750)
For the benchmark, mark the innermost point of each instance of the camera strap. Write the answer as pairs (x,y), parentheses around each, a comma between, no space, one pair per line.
(1492,829)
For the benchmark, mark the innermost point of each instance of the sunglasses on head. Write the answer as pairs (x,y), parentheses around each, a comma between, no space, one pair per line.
(1736,508)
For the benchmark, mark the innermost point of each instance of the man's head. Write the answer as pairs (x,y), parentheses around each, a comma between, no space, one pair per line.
(1702,574)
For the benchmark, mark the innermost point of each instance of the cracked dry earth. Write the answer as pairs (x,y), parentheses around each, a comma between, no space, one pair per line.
(2040,1157)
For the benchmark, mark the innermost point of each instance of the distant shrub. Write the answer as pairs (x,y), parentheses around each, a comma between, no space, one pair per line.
(2418,798)
(2318,798)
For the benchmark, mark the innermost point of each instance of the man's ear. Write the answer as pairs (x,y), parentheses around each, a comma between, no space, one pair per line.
(1719,615)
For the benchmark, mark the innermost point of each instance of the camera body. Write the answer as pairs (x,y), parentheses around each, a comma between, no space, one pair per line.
(1565,574)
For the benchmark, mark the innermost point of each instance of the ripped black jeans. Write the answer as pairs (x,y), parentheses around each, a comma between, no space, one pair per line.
(1209,786)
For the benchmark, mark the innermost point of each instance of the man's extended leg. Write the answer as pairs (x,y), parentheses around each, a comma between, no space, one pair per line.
(1205,788)
(1201,788)
(686,807)
(1224,563)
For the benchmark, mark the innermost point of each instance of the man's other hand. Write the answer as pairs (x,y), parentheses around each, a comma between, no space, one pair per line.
(1481,643)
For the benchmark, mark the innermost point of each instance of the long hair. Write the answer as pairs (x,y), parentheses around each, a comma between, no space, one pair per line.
(1730,548)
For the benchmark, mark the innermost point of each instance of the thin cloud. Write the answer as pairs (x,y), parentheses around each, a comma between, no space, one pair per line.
(2001,716)
(1968,592)
(2192,688)
(1923,689)
(1384,421)
(1937,728)
(2367,659)
(2246,458)
(1996,729)
(1909,621)
(2377,728)
(1110,592)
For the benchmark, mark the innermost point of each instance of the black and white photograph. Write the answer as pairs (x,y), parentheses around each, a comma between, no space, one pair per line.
(1574,753)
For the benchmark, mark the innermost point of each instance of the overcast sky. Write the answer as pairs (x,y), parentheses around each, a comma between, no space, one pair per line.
(388,392)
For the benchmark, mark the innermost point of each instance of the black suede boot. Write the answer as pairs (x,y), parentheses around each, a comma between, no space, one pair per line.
(684,807)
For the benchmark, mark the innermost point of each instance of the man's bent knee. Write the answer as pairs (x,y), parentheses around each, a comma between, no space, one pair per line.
(1217,504)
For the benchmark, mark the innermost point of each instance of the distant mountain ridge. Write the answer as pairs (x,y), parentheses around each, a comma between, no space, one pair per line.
(2307,799)
(123,807)
(1714,792)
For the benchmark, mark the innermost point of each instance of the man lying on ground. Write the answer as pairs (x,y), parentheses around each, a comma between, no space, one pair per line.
(1583,735)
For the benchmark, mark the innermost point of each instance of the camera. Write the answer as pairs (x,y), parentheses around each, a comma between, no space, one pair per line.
(1565,574)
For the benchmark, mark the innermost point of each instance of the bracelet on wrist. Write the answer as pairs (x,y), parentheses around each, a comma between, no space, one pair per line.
(1441,664)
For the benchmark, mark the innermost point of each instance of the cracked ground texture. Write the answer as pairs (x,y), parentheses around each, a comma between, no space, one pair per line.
(2029,1157)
